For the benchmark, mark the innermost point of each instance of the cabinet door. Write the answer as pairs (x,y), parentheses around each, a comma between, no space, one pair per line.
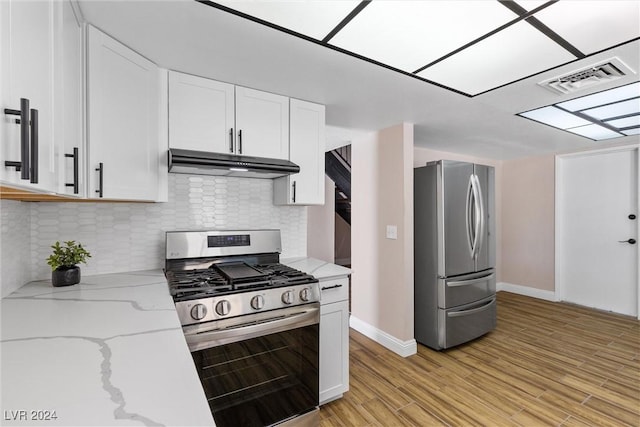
(306,149)
(334,350)
(123,125)
(262,121)
(27,44)
(201,114)
(68,100)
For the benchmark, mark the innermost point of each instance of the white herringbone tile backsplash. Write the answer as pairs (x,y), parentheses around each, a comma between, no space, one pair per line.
(130,236)
(15,245)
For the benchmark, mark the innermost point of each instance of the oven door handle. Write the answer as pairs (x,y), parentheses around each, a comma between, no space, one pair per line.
(206,339)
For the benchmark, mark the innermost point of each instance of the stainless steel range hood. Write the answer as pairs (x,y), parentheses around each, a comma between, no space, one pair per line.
(222,164)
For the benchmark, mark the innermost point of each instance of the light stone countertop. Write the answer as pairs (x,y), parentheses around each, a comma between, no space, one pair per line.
(108,351)
(319,269)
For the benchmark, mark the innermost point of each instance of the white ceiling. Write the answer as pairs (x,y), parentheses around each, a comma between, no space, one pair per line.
(362,96)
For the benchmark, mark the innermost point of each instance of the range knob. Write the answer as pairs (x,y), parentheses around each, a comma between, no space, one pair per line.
(287,297)
(305,294)
(257,302)
(223,307)
(198,311)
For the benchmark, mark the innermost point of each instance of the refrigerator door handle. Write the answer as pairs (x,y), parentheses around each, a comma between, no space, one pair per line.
(477,214)
(480,218)
(471,238)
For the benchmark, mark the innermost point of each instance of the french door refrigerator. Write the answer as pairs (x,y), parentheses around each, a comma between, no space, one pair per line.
(454,249)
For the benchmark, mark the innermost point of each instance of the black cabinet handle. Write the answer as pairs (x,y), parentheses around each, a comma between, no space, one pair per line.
(76,169)
(293,197)
(632,216)
(100,170)
(231,140)
(240,141)
(34,146)
(23,165)
(324,288)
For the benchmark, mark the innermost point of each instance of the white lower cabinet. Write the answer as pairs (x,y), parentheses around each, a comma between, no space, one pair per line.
(124,121)
(334,341)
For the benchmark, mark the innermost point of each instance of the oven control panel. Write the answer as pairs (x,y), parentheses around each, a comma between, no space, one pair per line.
(226,306)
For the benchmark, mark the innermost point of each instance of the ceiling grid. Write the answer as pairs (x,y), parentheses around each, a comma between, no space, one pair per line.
(404,35)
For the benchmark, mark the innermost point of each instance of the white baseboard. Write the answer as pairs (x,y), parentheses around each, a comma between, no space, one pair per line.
(527,291)
(402,348)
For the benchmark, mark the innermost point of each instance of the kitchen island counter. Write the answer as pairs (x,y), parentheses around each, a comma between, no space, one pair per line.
(108,351)
(319,269)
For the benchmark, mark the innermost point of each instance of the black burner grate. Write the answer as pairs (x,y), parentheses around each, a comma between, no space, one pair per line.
(221,279)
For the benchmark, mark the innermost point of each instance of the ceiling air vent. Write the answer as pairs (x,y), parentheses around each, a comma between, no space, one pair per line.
(586,77)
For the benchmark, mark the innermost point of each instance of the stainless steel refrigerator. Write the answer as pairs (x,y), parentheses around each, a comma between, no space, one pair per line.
(454,249)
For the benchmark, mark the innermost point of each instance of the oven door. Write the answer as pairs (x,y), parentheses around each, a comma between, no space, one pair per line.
(260,369)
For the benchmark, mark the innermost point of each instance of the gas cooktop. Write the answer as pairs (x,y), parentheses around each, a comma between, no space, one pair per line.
(233,277)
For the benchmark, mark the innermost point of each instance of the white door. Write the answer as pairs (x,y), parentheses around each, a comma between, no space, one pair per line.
(597,199)
(124,129)
(201,114)
(262,120)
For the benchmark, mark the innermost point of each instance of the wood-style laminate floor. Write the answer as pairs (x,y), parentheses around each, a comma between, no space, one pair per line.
(546,364)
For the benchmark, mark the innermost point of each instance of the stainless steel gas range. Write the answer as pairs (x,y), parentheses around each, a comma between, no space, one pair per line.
(251,323)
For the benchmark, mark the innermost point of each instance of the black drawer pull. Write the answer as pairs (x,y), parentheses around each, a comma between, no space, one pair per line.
(34,146)
(324,288)
(23,165)
(76,169)
(100,170)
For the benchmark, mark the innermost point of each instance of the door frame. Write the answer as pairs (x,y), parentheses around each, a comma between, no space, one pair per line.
(560,161)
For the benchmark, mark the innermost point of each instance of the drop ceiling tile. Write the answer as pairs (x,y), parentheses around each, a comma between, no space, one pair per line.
(313,18)
(618,109)
(635,131)
(555,117)
(594,131)
(511,54)
(593,25)
(626,122)
(410,34)
(604,97)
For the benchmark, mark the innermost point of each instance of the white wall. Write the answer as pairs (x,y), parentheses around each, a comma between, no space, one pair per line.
(321,225)
(382,194)
(528,222)
(130,236)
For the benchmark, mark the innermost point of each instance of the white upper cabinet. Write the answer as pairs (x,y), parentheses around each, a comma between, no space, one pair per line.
(262,121)
(27,46)
(201,114)
(124,138)
(68,100)
(207,115)
(306,149)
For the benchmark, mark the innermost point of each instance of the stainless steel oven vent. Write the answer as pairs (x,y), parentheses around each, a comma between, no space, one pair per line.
(586,77)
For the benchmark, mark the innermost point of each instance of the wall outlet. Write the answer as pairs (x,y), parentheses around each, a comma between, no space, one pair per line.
(392,232)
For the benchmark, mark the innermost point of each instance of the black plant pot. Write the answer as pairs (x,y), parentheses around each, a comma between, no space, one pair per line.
(65,276)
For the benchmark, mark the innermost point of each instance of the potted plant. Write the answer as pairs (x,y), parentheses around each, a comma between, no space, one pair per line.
(64,260)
